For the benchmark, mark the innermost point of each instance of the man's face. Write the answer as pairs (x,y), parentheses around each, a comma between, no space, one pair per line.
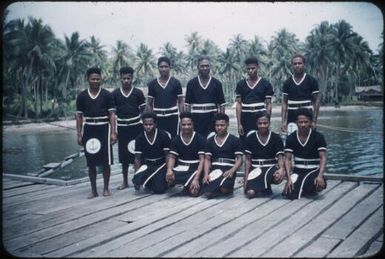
(94,81)
(164,69)
(298,65)
(251,70)
(303,122)
(186,125)
(149,125)
(263,124)
(126,80)
(221,127)
(204,67)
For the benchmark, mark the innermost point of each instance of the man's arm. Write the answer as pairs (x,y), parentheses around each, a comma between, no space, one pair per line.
(238,111)
(137,161)
(269,106)
(170,176)
(207,166)
(316,104)
(181,103)
(284,113)
(112,117)
(150,104)
(79,127)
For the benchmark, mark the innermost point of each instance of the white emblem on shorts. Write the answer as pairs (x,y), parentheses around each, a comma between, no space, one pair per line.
(215,174)
(93,146)
(294,177)
(254,173)
(131,146)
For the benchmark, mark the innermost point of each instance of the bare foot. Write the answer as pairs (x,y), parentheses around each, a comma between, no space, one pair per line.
(92,195)
(123,186)
(107,193)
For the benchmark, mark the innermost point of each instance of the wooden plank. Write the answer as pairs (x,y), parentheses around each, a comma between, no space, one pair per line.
(374,250)
(9,184)
(357,242)
(262,207)
(343,227)
(193,227)
(75,238)
(117,238)
(356,178)
(100,244)
(319,248)
(318,222)
(354,218)
(279,233)
(240,212)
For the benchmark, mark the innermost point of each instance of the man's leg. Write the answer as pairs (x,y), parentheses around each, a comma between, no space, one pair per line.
(125,177)
(106,179)
(92,176)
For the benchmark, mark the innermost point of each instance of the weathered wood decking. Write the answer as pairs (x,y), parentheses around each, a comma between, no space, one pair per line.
(41,220)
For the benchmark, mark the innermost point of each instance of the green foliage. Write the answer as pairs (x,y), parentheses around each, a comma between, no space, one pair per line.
(39,68)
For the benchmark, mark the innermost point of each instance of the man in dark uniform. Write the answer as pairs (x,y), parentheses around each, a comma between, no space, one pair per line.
(204,98)
(151,151)
(96,106)
(165,98)
(253,94)
(130,103)
(310,153)
(186,158)
(264,159)
(223,158)
(299,91)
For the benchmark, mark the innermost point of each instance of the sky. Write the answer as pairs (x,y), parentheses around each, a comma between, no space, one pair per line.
(156,23)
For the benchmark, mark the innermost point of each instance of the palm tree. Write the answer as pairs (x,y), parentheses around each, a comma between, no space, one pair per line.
(32,46)
(239,46)
(343,50)
(146,63)
(194,44)
(76,58)
(281,48)
(121,56)
(99,55)
(318,56)
(229,68)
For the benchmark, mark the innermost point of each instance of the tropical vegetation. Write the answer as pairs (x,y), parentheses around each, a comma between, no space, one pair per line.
(43,74)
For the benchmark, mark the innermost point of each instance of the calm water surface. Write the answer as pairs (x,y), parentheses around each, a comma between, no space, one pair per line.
(354,138)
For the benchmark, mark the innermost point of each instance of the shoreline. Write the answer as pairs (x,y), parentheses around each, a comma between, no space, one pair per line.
(70,124)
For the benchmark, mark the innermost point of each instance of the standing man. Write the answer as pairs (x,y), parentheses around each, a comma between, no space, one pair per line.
(253,94)
(165,98)
(96,106)
(299,91)
(204,98)
(130,103)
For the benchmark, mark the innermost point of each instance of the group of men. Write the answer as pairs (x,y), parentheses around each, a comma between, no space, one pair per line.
(174,139)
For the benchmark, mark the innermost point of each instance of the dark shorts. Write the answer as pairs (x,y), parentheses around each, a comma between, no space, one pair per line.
(169,124)
(125,135)
(220,182)
(97,145)
(262,183)
(204,123)
(185,174)
(153,178)
(249,123)
(304,183)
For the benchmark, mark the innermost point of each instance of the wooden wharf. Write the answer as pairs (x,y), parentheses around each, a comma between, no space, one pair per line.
(47,220)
